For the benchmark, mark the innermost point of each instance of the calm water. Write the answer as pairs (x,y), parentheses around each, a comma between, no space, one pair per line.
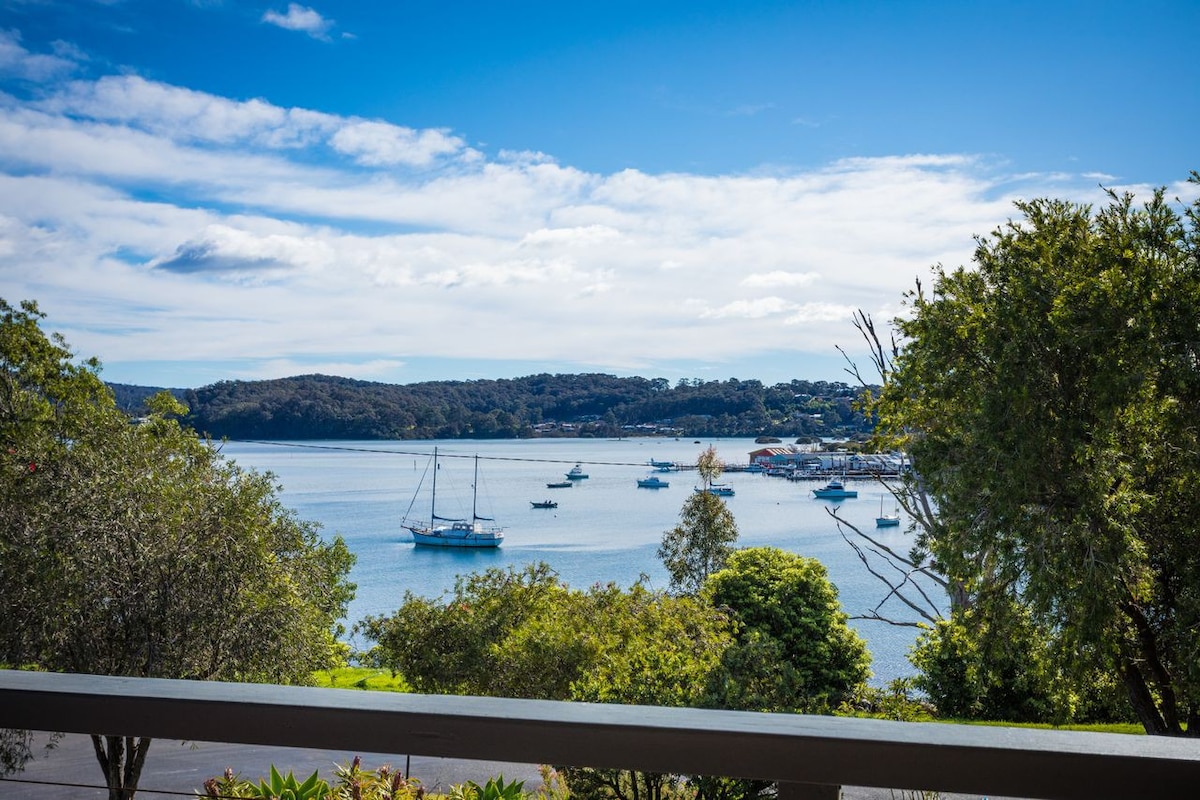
(604,529)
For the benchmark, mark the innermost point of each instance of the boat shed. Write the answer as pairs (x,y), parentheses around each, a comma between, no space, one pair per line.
(786,457)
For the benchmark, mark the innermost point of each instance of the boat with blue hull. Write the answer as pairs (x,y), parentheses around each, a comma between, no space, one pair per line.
(887,520)
(652,482)
(834,490)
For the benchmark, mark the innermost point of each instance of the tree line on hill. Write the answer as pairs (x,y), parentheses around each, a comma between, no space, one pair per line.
(325,407)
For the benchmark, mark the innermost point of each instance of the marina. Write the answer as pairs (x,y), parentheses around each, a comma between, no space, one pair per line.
(604,530)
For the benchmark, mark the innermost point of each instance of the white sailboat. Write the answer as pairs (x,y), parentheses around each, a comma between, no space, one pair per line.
(448,531)
(887,520)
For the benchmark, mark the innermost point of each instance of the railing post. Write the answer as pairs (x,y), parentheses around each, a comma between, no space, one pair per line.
(808,791)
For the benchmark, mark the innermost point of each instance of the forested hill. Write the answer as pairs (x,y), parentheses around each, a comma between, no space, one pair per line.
(324,407)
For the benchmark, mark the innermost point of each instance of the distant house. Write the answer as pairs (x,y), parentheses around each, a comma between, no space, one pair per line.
(771,456)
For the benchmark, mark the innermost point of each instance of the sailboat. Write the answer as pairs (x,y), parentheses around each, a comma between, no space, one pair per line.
(887,520)
(450,532)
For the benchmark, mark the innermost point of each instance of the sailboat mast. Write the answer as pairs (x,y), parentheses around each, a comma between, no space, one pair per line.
(475,490)
(433,495)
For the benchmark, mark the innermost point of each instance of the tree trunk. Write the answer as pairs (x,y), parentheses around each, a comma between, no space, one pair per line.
(1141,700)
(121,759)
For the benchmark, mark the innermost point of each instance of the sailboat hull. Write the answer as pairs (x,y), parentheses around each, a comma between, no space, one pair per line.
(460,532)
(458,535)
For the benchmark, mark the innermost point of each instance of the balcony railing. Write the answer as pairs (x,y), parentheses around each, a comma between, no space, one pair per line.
(810,757)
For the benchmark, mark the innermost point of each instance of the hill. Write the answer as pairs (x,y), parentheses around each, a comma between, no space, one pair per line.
(326,407)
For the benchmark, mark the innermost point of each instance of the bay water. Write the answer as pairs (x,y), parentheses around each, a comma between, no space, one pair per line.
(605,528)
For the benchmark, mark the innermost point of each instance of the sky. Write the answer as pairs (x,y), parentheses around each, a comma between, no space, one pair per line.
(402,190)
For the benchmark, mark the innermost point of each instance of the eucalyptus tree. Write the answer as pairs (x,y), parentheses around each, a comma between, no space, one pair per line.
(1049,398)
(134,548)
(699,545)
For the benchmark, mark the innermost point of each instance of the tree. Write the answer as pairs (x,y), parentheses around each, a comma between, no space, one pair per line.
(521,633)
(794,651)
(136,549)
(480,639)
(1049,399)
(704,537)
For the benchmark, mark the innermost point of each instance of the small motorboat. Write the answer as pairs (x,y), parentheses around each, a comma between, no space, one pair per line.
(559,485)
(719,489)
(576,473)
(652,482)
(543,503)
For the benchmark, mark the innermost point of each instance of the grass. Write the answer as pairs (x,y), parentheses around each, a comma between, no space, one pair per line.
(381,680)
(376,680)
(1095,727)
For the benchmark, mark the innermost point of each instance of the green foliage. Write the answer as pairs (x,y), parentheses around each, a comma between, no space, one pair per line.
(653,649)
(794,651)
(702,541)
(709,466)
(612,784)
(355,783)
(481,639)
(991,664)
(993,661)
(352,783)
(361,678)
(521,633)
(494,789)
(324,407)
(899,700)
(1048,399)
(136,549)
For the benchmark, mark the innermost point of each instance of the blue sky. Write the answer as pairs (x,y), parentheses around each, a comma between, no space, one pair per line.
(406,191)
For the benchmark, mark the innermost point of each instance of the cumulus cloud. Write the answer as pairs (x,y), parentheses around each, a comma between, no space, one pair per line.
(185,114)
(300,18)
(379,144)
(173,114)
(154,222)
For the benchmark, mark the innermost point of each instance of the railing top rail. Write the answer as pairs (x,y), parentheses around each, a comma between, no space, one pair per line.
(835,751)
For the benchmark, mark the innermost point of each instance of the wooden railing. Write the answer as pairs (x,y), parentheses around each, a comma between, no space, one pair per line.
(810,757)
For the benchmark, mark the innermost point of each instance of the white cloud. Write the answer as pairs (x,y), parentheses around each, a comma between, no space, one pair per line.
(17,62)
(286,368)
(766,280)
(155,223)
(379,144)
(751,309)
(187,115)
(301,18)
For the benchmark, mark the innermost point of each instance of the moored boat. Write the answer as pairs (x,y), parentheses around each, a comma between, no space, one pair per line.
(559,485)
(719,489)
(543,503)
(887,520)
(652,482)
(576,473)
(835,490)
(448,532)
